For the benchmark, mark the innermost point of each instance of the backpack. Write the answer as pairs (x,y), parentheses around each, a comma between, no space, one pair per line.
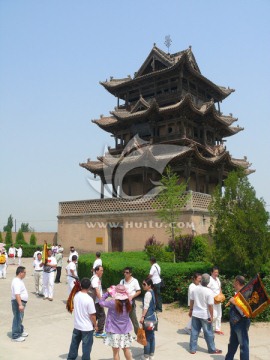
(92,291)
(2,259)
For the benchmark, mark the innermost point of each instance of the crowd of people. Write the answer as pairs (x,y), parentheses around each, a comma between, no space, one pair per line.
(115,328)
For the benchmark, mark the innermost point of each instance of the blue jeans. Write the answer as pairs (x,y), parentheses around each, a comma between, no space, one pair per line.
(196,325)
(239,336)
(86,337)
(150,346)
(17,326)
(158,297)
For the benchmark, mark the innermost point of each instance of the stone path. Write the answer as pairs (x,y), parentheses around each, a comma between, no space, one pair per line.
(50,327)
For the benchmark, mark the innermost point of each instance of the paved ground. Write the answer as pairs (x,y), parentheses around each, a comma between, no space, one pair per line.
(50,327)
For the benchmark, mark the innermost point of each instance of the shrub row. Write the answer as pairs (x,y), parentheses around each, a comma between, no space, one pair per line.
(114,263)
(28,250)
(177,276)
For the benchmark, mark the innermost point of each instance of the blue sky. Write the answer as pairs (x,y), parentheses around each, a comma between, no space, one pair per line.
(55,52)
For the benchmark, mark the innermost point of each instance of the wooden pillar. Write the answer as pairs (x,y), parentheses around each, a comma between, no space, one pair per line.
(101,189)
(197,181)
(204,135)
(207,184)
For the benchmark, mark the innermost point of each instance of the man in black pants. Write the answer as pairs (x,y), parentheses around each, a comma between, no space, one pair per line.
(59,260)
(100,313)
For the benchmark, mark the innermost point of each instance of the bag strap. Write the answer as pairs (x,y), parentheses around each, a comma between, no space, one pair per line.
(157,270)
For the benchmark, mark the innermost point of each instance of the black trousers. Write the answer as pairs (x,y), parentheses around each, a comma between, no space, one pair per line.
(58,274)
(101,317)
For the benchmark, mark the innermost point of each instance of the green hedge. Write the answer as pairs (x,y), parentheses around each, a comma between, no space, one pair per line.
(114,263)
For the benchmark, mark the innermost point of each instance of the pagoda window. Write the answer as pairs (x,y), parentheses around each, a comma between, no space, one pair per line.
(174,89)
(170,129)
(192,86)
(185,84)
(149,95)
(159,92)
(162,82)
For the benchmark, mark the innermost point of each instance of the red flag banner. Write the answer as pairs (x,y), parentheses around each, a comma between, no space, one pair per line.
(70,301)
(252,299)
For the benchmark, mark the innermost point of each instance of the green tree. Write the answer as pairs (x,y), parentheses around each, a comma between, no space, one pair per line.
(239,226)
(20,238)
(169,202)
(33,239)
(8,238)
(1,237)
(26,228)
(9,225)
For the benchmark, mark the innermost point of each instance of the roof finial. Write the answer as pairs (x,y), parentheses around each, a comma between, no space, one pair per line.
(168,42)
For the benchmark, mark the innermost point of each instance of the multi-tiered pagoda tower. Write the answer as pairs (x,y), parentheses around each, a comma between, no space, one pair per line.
(168,101)
(168,113)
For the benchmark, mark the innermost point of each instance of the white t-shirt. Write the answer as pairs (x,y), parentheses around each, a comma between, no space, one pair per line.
(36,264)
(83,308)
(155,272)
(71,266)
(19,252)
(12,251)
(18,288)
(214,285)
(202,297)
(133,285)
(71,254)
(191,287)
(35,254)
(147,299)
(97,262)
(51,261)
(96,284)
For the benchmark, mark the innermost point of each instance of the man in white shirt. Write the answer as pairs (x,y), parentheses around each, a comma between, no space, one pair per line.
(38,274)
(71,273)
(134,291)
(12,254)
(201,311)
(19,255)
(84,323)
(197,278)
(71,253)
(100,313)
(48,276)
(97,262)
(19,298)
(154,275)
(215,286)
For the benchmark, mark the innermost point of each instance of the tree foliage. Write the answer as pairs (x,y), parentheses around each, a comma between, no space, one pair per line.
(20,238)
(239,226)
(8,238)
(170,201)
(33,239)
(25,227)
(9,225)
